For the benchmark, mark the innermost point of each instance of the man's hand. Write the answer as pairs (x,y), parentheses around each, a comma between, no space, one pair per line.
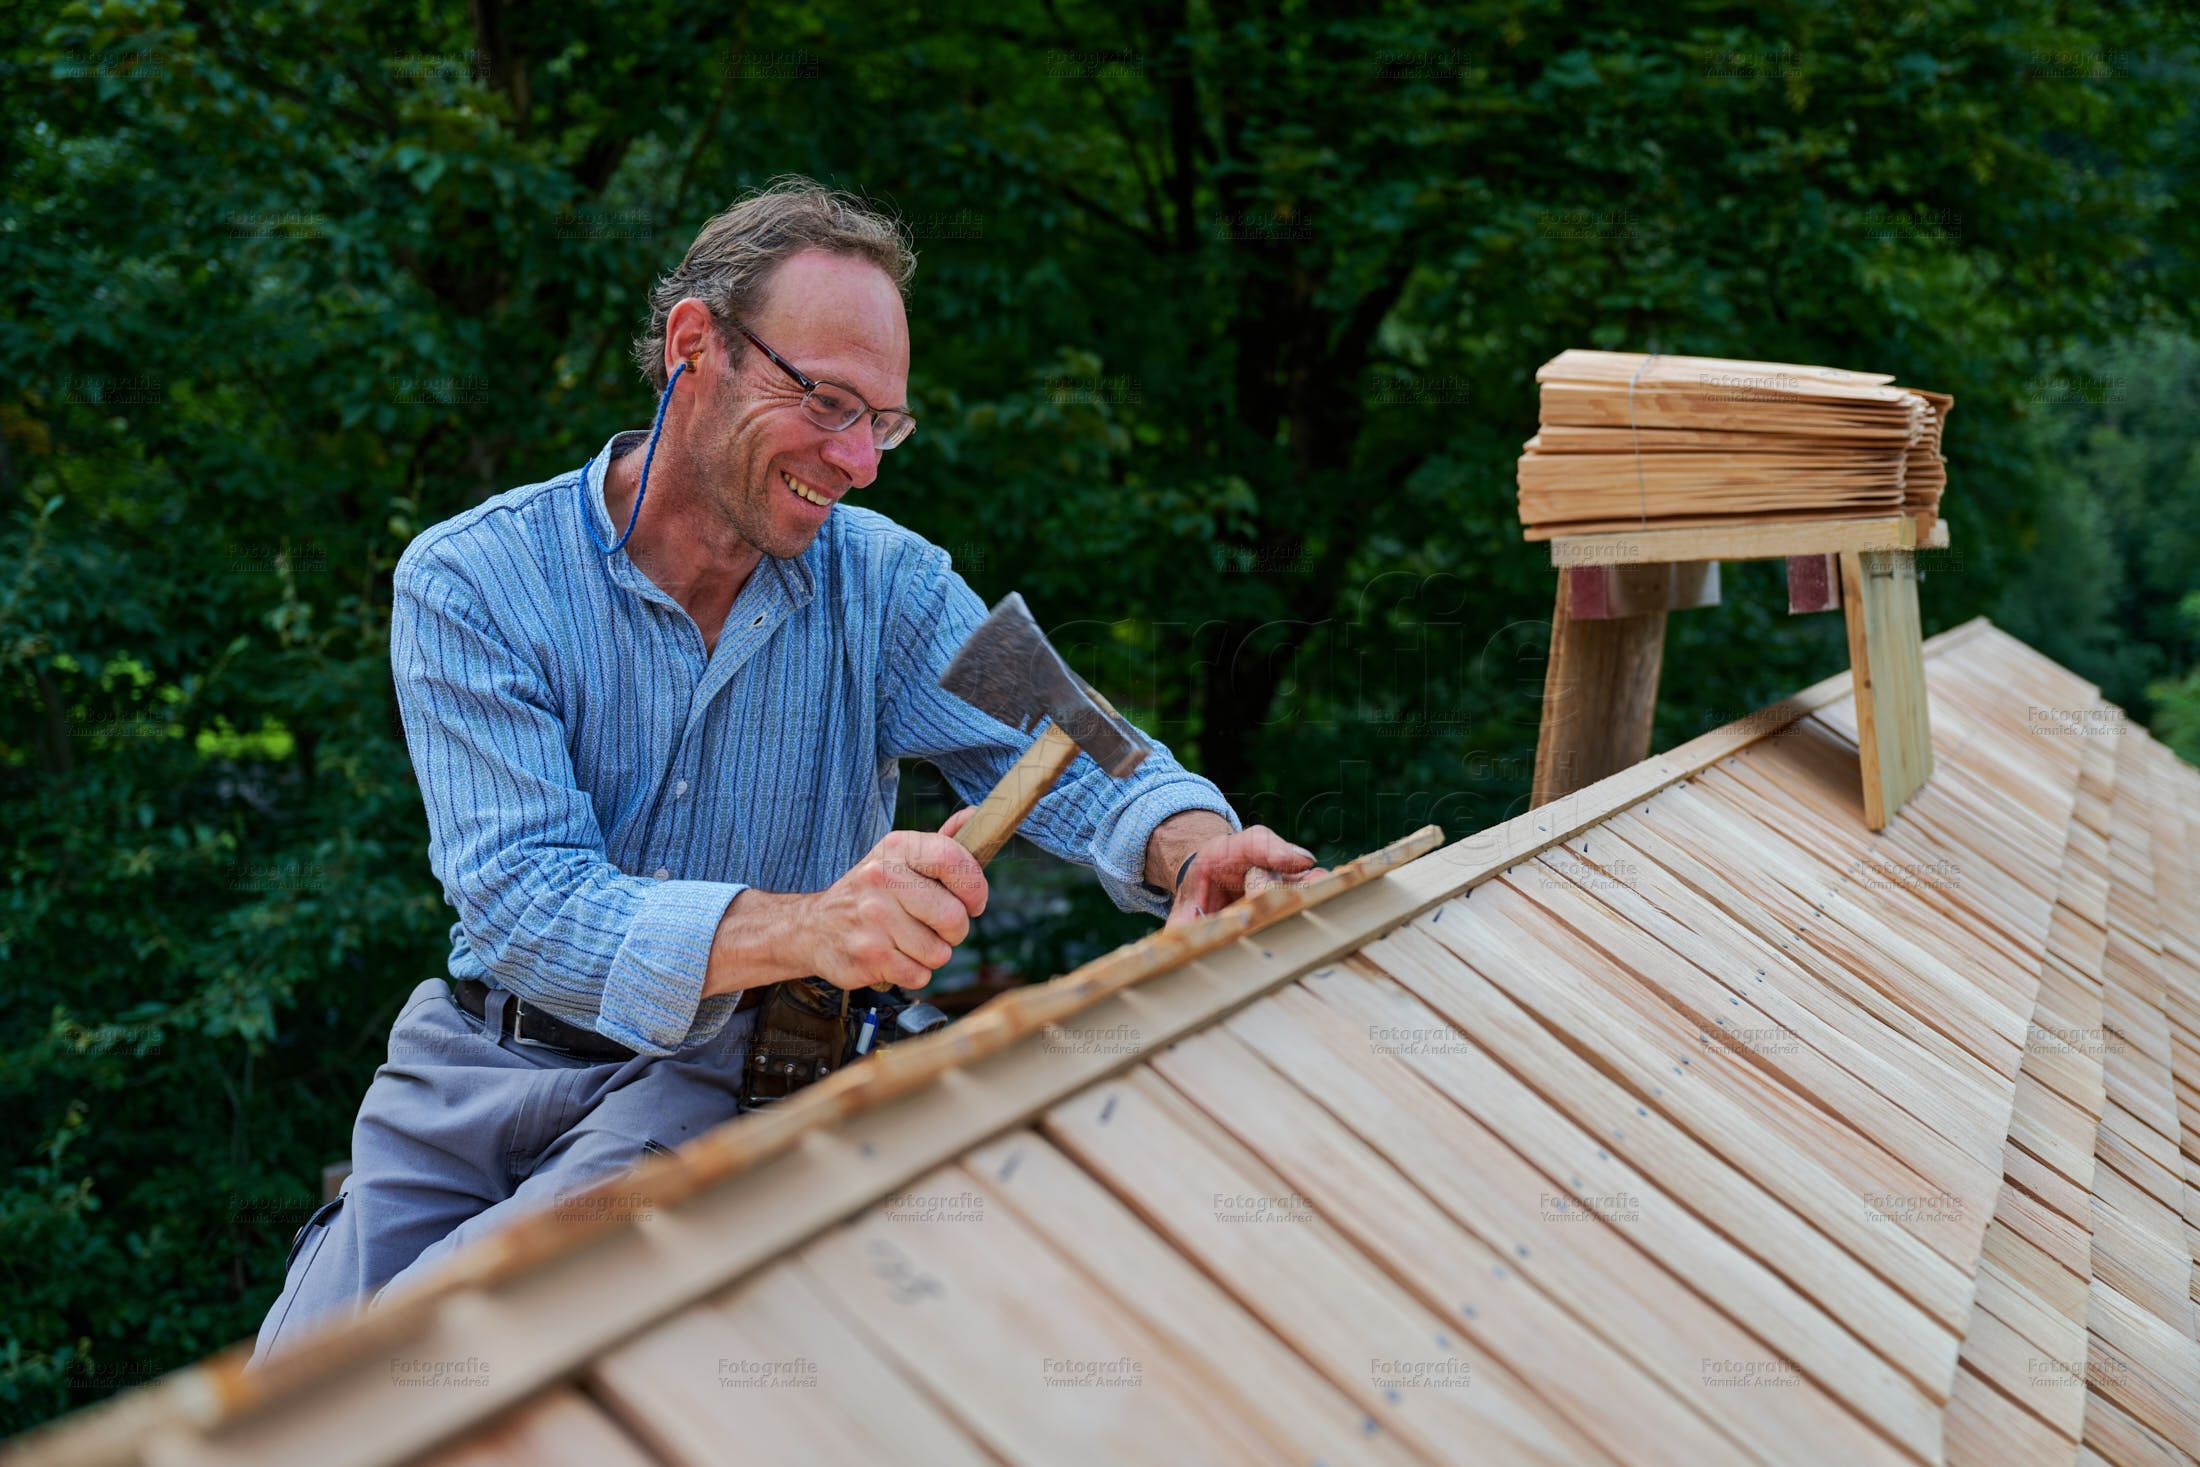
(1230,866)
(899,913)
(894,918)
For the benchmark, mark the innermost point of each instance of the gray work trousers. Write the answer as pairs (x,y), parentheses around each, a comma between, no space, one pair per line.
(465,1129)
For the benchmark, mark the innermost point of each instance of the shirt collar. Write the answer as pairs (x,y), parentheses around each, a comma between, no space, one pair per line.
(619,566)
(598,468)
(794,575)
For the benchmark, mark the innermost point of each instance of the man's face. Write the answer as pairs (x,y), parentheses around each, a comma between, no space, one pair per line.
(838,319)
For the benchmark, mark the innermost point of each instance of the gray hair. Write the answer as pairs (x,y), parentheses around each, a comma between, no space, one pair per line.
(736,251)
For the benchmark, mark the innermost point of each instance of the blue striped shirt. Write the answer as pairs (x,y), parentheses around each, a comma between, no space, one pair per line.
(598,789)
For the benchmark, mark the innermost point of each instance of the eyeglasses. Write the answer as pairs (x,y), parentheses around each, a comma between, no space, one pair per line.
(834,407)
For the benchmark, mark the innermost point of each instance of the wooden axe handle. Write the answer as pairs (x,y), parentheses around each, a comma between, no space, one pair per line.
(1026,782)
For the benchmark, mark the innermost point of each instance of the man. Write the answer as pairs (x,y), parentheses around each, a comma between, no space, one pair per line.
(660,762)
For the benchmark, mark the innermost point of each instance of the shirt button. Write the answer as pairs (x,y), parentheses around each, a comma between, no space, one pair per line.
(662,874)
(759,620)
(680,789)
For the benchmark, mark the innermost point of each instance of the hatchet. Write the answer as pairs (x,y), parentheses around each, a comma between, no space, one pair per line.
(1008,668)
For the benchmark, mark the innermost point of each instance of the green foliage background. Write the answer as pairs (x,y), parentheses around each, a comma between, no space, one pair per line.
(1225,331)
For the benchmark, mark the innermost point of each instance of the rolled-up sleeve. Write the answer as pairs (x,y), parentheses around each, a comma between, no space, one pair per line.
(1089,817)
(516,844)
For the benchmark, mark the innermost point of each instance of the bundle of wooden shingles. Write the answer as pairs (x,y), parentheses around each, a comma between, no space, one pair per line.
(1630,441)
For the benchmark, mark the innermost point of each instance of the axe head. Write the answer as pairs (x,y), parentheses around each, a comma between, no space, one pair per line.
(1008,668)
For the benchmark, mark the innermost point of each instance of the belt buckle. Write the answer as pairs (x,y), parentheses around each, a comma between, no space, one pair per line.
(519,1016)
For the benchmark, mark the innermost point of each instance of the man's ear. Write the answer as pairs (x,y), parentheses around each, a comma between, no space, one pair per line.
(688,324)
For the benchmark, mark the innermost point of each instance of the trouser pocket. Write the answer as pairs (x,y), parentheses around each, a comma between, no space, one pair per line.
(305,1247)
(321,1218)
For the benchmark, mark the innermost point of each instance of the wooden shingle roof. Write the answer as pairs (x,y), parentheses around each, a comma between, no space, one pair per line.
(1681,1120)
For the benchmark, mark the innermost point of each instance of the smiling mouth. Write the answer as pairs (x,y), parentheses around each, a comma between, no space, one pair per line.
(804,491)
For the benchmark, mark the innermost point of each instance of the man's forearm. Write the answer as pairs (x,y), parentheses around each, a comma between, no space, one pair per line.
(750,947)
(1177,837)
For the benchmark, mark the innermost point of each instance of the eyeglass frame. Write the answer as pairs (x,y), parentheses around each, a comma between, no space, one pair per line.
(810,384)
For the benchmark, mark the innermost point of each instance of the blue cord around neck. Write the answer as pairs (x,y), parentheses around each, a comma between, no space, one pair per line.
(631,520)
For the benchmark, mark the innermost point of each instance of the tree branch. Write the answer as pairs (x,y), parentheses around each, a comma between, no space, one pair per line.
(1121,123)
(507,60)
(1182,92)
(1073,195)
(709,128)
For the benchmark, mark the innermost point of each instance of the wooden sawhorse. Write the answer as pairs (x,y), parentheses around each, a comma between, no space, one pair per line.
(1600,688)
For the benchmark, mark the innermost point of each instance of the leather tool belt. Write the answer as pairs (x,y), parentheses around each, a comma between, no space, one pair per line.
(809,1028)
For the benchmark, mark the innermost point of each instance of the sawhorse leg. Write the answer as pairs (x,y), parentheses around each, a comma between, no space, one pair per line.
(1887,659)
(1600,687)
